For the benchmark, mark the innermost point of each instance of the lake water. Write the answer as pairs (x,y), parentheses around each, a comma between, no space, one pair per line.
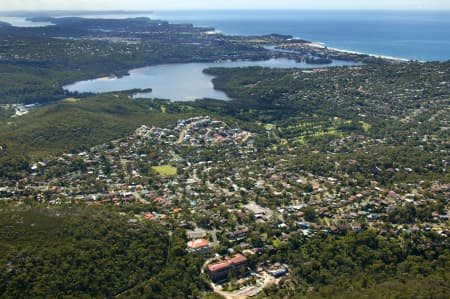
(23,22)
(179,82)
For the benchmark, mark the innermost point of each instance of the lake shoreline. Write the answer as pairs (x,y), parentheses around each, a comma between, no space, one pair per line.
(182,81)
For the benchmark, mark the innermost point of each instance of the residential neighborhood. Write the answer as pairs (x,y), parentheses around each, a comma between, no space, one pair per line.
(208,177)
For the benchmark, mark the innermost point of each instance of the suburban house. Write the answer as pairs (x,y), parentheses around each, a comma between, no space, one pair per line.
(200,246)
(237,234)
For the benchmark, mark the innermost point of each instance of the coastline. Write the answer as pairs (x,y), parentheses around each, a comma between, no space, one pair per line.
(318,45)
(215,31)
(324,46)
(376,37)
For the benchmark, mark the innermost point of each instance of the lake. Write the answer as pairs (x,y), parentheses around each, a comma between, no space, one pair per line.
(23,22)
(180,81)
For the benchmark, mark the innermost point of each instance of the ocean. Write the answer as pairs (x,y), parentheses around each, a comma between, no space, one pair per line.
(417,35)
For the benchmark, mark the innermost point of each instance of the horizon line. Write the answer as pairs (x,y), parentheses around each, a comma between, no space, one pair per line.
(226,9)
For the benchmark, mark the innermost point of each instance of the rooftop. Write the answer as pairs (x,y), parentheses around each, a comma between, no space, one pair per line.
(236,260)
(199,243)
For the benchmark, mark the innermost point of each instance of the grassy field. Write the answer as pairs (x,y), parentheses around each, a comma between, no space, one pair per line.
(166,170)
(365,126)
(71,100)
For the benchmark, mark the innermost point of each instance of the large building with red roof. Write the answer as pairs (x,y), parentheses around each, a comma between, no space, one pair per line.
(219,271)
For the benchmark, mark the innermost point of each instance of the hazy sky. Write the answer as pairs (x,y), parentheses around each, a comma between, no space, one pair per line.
(222,4)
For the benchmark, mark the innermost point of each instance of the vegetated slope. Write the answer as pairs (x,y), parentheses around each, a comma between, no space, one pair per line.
(82,252)
(365,265)
(75,125)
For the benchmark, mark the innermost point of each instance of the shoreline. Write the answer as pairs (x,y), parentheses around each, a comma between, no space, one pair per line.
(324,46)
(215,31)
(318,45)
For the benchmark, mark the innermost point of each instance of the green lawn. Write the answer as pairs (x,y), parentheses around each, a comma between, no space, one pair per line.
(165,170)
(365,126)
(71,100)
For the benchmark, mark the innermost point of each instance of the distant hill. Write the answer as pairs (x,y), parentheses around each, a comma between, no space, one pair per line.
(59,13)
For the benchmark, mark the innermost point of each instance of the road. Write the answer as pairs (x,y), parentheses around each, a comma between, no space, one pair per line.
(247,291)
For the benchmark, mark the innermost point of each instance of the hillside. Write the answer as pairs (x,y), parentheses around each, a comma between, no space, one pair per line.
(75,125)
(84,252)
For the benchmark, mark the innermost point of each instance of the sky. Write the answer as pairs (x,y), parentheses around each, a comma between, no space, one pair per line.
(222,4)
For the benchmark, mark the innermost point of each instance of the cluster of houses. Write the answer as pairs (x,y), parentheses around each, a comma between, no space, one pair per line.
(322,51)
(197,131)
(264,190)
(226,194)
(17,110)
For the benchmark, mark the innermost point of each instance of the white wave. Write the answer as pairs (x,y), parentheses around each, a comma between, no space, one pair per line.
(323,45)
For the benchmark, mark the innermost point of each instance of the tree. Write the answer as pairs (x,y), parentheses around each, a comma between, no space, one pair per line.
(310,214)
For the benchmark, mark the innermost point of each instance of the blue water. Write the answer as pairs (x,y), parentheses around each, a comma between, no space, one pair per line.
(421,35)
(179,81)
